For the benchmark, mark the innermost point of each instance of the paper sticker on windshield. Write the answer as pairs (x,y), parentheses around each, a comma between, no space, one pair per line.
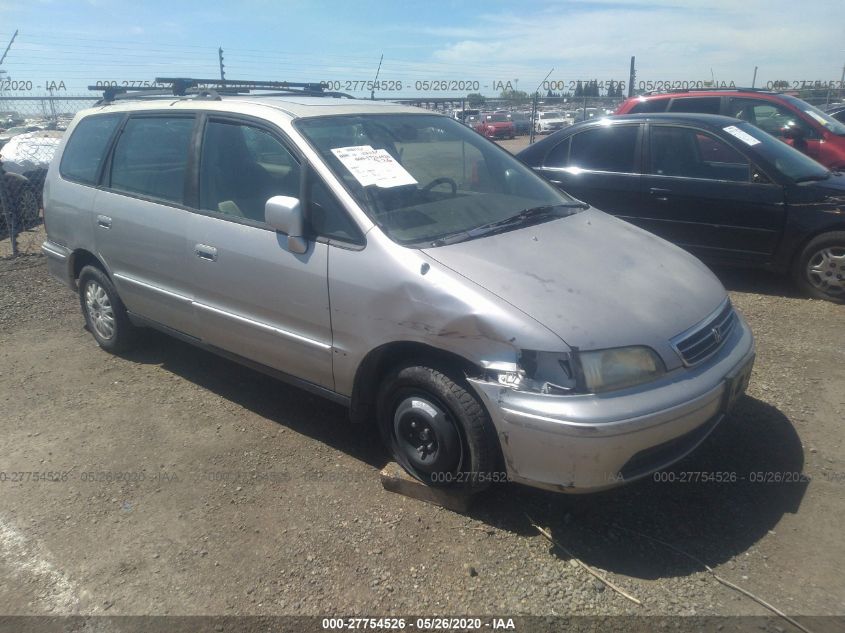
(373,166)
(818,117)
(745,137)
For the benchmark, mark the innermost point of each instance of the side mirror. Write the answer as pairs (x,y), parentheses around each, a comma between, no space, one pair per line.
(284,214)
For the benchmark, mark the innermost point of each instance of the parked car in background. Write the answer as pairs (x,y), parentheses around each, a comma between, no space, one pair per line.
(491,326)
(461,115)
(25,159)
(720,188)
(495,125)
(29,155)
(837,111)
(585,114)
(521,122)
(10,133)
(805,127)
(550,121)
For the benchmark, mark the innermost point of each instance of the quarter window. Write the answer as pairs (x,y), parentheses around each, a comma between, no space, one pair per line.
(602,148)
(328,218)
(87,148)
(151,156)
(690,153)
(241,168)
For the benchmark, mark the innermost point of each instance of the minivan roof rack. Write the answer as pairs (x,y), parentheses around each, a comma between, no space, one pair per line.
(713,89)
(211,89)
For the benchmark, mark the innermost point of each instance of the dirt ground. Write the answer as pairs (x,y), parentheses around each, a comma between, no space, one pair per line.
(171,481)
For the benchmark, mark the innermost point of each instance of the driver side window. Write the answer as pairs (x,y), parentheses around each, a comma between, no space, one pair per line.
(241,168)
(769,117)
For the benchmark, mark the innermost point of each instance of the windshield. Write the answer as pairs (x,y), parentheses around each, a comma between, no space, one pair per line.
(551,115)
(789,161)
(422,178)
(498,118)
(823,118)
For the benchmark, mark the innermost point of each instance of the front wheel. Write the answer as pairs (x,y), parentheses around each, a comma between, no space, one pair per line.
(820,268)
(436,429)
(104,312)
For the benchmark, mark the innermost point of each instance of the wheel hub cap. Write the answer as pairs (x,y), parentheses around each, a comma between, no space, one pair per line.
(99,308)
(826,270)
(426,436)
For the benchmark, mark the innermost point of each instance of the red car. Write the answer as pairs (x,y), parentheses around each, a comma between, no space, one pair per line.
(495,125)
(794,121)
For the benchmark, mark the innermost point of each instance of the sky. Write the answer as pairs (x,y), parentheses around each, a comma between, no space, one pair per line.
(486,45)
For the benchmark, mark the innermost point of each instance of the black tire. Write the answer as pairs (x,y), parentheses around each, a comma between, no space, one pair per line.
(819,270)
(438,400)
(105,304)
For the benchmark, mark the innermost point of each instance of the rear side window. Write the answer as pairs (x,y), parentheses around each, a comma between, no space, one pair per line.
(86,148)
(151,156)
(605,149)
(650,106)
(704,105)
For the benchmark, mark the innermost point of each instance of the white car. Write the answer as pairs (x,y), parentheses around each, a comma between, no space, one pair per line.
(551,121)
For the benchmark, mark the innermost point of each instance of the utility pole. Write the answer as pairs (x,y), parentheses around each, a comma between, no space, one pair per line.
(222,66)
(632,77)
(842,83)
(378,70)
(9,46)
(754,81)
(3,72)
(534,98)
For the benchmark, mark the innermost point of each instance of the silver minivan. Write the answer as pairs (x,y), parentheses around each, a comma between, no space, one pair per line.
(395,261)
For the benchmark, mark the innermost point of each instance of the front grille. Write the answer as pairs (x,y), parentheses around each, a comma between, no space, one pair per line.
(702,341)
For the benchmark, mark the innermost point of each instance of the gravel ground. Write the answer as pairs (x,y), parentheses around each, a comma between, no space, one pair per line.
(240,495)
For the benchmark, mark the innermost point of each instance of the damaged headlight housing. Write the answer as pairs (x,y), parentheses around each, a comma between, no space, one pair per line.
(579,372)
(620,367)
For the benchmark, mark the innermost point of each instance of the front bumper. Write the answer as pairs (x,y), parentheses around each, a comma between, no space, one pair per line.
(587,443)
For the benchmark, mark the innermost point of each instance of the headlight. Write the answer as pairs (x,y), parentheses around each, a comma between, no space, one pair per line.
(538,372)
(605,370)
(562,373)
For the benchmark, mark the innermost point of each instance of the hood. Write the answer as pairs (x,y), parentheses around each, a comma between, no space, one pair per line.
(593,280)
(824,195)
(498,123)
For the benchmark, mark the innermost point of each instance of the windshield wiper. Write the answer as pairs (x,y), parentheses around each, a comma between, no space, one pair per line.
(523,217)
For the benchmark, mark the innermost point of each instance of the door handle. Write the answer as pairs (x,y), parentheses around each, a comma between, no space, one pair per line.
(104,221)
(204,251)
(660,194)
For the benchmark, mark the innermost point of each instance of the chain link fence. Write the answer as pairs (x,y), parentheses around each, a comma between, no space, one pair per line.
(30,132)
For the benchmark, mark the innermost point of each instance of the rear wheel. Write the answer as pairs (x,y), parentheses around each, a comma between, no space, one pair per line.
(436,428)
(820,269)
(104,312)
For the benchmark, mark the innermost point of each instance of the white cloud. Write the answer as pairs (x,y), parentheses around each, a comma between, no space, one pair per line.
(671,39)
